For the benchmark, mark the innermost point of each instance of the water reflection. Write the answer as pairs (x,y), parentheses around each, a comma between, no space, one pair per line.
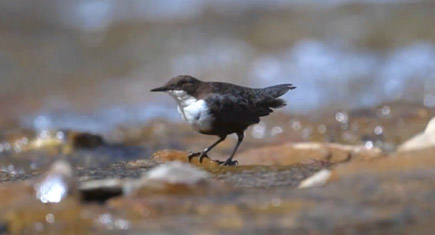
(55,185)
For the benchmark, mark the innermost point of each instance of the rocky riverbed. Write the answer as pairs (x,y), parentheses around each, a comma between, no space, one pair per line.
(343,174)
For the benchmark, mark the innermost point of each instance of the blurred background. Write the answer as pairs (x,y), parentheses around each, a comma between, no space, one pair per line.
(89,64)
(365,70)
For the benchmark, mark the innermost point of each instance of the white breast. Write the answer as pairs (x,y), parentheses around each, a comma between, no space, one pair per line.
(194,111)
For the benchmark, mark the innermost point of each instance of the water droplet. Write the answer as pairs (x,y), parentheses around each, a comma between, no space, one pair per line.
(296,125)
(369,144)
(384,111)
(276,131)
(122,224)
(44,134)
(259,130)
(379,130)
(60,135)
(341,117)
(322,129)
(105,218)
(49,218)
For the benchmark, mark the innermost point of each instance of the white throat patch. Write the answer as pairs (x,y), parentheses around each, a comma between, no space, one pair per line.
(194,111)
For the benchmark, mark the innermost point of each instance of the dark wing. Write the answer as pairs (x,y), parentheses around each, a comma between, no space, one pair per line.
(242,105)
(234,109)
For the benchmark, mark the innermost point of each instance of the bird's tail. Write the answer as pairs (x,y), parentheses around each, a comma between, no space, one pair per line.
(269,96)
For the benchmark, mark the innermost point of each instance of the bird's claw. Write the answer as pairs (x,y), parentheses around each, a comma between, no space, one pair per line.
(228,163)
(192,155)
(201,156)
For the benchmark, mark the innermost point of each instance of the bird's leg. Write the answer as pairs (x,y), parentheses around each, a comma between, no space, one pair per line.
(229,161)
(203,154)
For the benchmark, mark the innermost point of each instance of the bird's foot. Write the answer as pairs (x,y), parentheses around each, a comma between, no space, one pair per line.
(228,162)
(200,155)
(192,155)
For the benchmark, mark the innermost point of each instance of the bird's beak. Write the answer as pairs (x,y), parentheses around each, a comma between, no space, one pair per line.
(163,88)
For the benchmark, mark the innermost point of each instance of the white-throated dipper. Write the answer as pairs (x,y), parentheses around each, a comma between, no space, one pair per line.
(218,108)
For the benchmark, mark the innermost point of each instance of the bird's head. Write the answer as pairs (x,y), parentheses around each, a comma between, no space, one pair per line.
(184,83)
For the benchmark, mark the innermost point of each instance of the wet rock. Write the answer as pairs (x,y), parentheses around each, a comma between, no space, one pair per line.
(423,140)
(56,184)
(294,153)
(101,190)
(175,178)
(395,165)
(174,155)
(51,141)
(86,140)
(177,173)
(168,178)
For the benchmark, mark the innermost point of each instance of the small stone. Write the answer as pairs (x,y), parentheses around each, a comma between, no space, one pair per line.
(177,173)
(86,140)
(318,179)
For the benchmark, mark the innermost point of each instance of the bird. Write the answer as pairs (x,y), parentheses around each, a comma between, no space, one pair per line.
(221,109)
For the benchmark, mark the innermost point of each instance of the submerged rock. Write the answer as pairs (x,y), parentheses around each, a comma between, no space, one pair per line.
(423,140)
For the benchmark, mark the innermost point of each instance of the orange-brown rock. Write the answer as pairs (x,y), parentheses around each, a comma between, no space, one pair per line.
(400,162)
(168,155)
(293,153)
